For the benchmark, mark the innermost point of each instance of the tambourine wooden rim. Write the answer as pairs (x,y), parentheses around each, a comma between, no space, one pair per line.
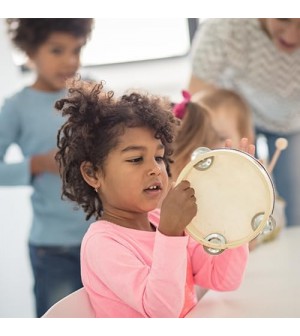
(246,160)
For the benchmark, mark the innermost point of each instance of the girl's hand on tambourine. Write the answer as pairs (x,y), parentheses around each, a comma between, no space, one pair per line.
(178,209)
(244,146)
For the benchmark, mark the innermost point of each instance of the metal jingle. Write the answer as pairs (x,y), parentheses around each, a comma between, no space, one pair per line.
(215,238)
(270,226)
(204,164)
(198,151)
(256,220)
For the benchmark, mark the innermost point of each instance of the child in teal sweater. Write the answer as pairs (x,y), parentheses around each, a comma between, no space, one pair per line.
(29,119)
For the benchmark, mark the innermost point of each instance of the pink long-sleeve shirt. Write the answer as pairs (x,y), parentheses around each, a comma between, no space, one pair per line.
(132,273)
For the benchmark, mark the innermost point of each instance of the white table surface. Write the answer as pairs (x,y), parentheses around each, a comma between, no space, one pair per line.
(271,286)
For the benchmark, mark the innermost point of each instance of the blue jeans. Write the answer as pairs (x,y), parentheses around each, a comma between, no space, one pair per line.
(286,174)
(56,273)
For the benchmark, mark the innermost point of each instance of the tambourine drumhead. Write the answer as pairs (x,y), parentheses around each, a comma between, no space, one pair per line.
(235,197)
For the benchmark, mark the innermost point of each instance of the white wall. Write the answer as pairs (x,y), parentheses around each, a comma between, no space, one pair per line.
(15,214)
(10,76)
(165,77)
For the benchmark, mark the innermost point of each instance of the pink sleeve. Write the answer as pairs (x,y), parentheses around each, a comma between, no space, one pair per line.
(155,290)
(223,272)
(220,272)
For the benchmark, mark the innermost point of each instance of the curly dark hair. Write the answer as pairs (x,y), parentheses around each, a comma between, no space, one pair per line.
(95,122)
(29,34)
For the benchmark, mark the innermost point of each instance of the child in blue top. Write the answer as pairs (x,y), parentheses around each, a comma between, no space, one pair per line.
(29,119)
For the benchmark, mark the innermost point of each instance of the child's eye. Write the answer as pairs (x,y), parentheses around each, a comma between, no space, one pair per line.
(159,159)
(56,51)
(135,160)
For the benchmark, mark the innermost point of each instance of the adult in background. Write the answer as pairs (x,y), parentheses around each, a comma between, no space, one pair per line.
(259,59)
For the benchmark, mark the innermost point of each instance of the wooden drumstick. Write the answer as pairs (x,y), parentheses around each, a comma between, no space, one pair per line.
(281,144)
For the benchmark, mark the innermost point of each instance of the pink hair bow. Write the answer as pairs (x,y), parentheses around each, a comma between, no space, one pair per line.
(179,109)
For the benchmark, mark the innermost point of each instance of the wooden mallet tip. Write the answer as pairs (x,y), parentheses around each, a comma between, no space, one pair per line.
(281,143)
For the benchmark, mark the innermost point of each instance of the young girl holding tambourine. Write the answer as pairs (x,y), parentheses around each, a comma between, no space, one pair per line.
(114,156)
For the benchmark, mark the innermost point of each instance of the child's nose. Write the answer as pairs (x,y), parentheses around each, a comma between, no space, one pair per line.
(72,61)
(155,169)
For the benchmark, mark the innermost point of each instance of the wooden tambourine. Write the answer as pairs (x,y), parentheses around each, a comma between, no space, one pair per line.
(235,198)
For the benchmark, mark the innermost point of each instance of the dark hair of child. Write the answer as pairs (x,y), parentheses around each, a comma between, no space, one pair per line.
(95,122)
(29,34)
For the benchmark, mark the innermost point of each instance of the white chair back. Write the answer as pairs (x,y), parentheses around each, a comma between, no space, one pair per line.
(75,305)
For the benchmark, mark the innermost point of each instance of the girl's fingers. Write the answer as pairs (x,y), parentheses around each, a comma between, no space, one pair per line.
(247,147)
(244,146)
(228,143)
(251,149)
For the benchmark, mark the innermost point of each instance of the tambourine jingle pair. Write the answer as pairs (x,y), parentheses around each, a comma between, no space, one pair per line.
(235,198)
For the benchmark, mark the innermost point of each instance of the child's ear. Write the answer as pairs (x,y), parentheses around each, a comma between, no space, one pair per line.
(89,174)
